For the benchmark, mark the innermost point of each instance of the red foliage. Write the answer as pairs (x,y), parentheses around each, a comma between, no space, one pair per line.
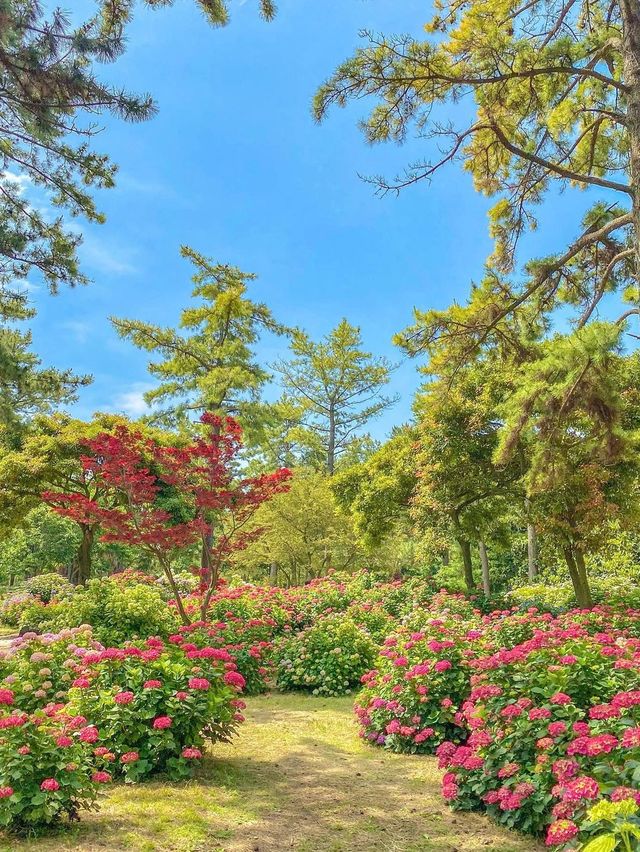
(130,471)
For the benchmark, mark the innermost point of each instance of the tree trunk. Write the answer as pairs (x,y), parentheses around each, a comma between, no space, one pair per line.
(168,571)
(630,12)
(532,552)
(445,557)
(206,562)
(80,570)
(331,442)
(578,573)
(484,561)
(273,574)
(465,550)
(467,563)
(532,544)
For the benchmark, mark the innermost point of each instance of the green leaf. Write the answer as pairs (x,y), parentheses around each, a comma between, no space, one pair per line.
(602,843)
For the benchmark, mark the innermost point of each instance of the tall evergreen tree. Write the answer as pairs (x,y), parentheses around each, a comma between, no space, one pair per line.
(208,362)
(553,88)
(26,388)
(336,389)
(47,69)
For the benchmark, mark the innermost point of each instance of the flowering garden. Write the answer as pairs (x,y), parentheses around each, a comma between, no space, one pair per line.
(533,718)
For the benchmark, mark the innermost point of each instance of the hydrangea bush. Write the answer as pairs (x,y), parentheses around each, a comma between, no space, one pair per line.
(39,670)
(328,658)
(156,704)
(47,768)
(410,699)
(553,726)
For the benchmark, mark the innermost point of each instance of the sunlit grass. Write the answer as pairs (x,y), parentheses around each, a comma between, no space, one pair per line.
(297,778)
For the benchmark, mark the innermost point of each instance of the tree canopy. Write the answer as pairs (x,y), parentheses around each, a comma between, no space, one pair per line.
(335,387)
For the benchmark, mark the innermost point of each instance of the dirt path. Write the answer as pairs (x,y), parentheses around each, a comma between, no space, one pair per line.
(297,778)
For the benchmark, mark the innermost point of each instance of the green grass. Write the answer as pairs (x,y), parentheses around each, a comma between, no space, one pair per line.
(297,778)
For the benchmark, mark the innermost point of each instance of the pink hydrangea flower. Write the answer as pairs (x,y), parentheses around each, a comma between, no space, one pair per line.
(191,753)
(6,696)
(101,777)
(561,831)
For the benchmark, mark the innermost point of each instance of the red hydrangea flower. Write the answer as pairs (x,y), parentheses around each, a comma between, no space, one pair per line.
(6,792)
(89,734)
(50,785)
(191,753)
(583,787)
(6,696)
(101,777)
(130,757)
(124,697)
(561,831)
(162,722)
(234,679)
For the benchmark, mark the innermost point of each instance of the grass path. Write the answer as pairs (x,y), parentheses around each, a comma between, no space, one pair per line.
(297,778)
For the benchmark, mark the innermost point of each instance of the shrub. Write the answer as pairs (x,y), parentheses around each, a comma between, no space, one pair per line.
(245,642)
(11,608)
(410,699)
(327,658)
(40,669)
(117,612)
(555,726)
(374,618)
(616,590)
(49,586)
(46,770)
(155,705)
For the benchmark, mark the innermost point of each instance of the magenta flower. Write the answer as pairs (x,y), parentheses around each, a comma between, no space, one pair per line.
(561,831)
(6,696)
(101,777)
(191,753)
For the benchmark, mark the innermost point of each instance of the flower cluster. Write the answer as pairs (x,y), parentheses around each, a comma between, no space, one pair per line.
(328,658)
(552,726)
(410,700)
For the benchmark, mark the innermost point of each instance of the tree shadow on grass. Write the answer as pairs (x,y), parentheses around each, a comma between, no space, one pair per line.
(297,778)
(321,797)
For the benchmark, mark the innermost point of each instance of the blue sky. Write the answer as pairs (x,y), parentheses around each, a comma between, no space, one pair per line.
(235,166)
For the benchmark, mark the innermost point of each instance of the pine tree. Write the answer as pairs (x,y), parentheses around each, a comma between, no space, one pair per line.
(336,389)
(208,363)
(553,89)
(49,87)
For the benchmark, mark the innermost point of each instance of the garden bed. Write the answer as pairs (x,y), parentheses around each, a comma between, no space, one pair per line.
(298,778)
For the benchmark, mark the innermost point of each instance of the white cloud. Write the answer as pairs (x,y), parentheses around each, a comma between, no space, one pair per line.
(19,181)
(132,402)
(79,329)
(104,259)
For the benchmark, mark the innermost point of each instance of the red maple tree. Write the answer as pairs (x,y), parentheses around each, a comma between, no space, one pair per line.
(132,472)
